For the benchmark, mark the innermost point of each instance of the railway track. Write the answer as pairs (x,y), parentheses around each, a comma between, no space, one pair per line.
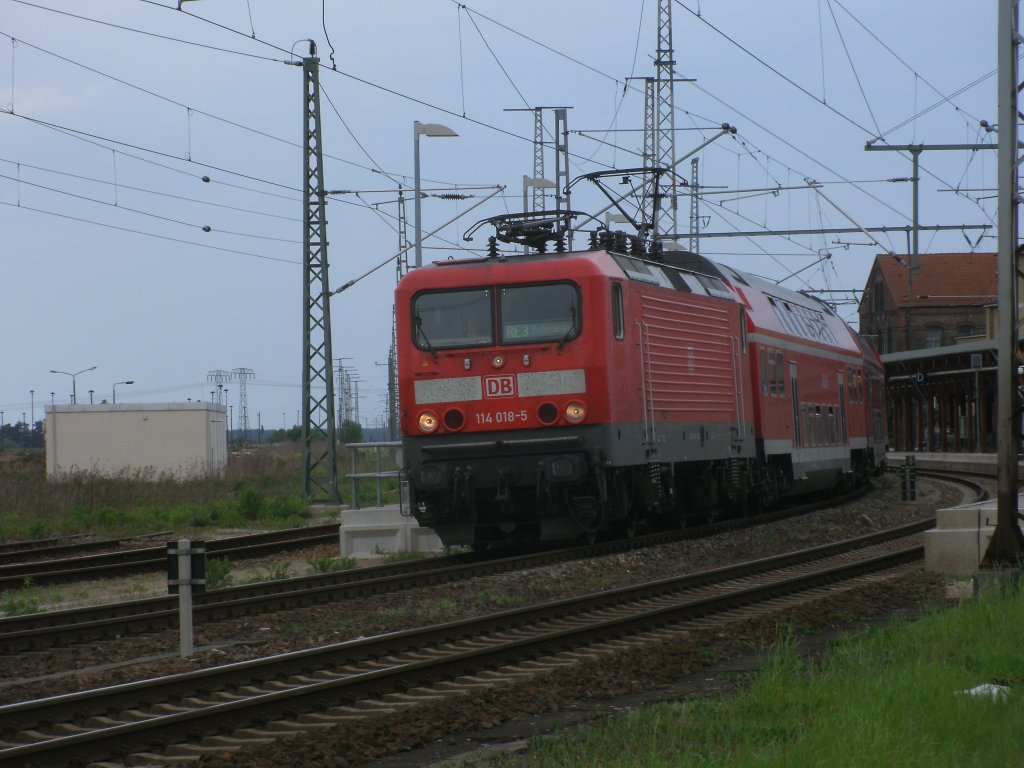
(50,567)
(227,708)
(80,625)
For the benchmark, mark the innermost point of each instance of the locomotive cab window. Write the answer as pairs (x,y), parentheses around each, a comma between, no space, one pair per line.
(450,319)
(533,313)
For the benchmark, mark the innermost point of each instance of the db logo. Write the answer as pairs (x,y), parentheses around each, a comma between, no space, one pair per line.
(499,386)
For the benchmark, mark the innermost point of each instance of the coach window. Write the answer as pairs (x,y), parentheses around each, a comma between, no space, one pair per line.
(618,321)
(764,373)
(533,313)
(780,371)
(771,373)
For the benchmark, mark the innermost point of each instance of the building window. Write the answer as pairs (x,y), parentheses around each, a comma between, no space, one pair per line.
(965,330)
(932,337)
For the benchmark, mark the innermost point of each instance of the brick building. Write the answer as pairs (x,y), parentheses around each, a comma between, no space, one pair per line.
(938,304)
(932,326)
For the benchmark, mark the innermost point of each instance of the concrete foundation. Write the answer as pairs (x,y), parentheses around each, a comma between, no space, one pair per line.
(959,539)
(383,530)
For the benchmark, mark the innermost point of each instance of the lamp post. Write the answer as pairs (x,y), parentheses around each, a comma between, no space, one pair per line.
(32,393)
(113,398)
(422,129)
(91,391)
(74,376)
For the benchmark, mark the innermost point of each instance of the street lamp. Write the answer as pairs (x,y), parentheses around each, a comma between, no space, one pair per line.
(74,388)
(422,129)
(32,393)
(113,399)
(91,392)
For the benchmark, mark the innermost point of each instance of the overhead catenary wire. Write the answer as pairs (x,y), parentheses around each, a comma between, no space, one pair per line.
(23,206)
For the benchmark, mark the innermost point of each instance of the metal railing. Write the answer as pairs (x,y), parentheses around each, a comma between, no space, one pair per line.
(378,475)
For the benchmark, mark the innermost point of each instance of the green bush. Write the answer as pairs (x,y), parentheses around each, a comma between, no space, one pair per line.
(284,508)
(251,503)
(218,573)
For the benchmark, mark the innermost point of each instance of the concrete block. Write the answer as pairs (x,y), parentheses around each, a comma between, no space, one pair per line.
(980,515)
(376,530)
(369,540)
(956,552)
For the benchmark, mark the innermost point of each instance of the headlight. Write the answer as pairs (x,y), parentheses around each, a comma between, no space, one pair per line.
(454,419)
(428,422)
(575,412)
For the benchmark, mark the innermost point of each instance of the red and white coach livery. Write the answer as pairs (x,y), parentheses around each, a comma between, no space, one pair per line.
(557,395)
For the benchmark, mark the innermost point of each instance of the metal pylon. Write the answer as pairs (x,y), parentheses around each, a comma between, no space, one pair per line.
(694,206)
(241,375)
(665,128)
(319,445)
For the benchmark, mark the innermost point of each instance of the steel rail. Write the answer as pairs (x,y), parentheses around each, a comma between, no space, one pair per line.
(54,628)
(42,572)
(423,656)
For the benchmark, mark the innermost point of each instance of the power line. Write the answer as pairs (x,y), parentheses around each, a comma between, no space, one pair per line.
(147,234)
(148,191)
(191,109)
(152,34)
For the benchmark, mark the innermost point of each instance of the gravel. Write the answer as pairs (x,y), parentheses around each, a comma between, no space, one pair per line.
(31,675)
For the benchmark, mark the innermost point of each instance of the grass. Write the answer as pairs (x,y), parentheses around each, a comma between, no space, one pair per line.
(328,564)
(893,697)
(23,601)
(392,558)
(262,488)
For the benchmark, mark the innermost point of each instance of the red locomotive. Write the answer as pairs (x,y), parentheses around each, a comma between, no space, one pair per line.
(553,396)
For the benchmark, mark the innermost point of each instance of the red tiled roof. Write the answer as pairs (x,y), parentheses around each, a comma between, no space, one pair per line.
(941,278)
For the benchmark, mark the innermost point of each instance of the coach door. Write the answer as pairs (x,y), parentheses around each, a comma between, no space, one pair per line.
(795,392)
(842,408)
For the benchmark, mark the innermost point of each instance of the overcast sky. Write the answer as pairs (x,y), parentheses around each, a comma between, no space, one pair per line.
(113,111)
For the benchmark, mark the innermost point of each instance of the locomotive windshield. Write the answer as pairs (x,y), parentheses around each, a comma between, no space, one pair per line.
(532,313)
(527,314)
(448,319)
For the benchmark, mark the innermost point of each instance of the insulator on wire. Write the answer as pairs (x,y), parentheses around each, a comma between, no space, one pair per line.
(594,243)
(492,247)
(636,246)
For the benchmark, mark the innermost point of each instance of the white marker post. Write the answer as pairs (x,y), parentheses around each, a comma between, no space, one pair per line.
(185,596)
(180,581)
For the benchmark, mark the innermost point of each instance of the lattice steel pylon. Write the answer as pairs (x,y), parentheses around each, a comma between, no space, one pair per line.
(319,443)
(665,127)
(218,377)
(694,205)
(241,375)
(401,268)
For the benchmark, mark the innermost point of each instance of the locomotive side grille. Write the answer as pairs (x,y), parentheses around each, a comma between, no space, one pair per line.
(691,360)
